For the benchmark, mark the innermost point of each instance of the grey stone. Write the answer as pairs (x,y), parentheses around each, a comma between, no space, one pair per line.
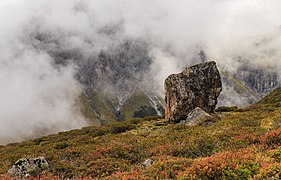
(195,117)
(26,167)
(147,163)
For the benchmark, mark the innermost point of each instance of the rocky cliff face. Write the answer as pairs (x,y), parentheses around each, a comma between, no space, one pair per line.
(247,86)
(196,86)
(111,79)
(235,92)
(113,83)
(260,80)
(111,75)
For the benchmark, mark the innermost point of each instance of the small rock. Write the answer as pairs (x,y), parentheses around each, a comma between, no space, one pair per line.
(195,117)
(147,163)
(26,167)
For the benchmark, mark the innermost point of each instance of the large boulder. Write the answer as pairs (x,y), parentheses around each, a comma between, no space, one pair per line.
(196,86)
(25,167)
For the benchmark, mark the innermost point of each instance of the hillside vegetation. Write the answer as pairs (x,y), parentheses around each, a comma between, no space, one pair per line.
(244,144)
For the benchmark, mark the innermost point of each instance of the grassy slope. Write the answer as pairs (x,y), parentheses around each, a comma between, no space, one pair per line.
(236,145)
(272,98)
(137,100)
(105,106)
(238,86)
(102,105)
(86,111)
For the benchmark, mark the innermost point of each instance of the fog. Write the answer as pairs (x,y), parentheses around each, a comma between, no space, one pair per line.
(37,95)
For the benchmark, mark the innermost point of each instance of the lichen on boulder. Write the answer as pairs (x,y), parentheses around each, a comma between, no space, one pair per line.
(196,86)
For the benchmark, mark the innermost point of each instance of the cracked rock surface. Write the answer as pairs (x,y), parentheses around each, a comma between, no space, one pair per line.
(196,86)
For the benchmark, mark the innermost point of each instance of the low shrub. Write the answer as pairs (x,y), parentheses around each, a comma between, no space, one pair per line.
(98,132)
(60,145)
(269,171)
(194,149)
(227,109)
(144,111)
(228,165)
(272,138)
(119,128)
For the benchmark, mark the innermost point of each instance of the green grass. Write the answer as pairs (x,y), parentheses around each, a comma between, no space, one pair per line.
(86,111)
(105,105)
(238,86)
(272,98)
(137,100)
(227,109)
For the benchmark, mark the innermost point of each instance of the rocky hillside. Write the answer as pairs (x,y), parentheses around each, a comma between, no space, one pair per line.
(258,79)
(244,143)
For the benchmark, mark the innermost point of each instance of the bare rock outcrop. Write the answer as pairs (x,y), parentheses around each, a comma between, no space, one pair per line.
(196,86)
